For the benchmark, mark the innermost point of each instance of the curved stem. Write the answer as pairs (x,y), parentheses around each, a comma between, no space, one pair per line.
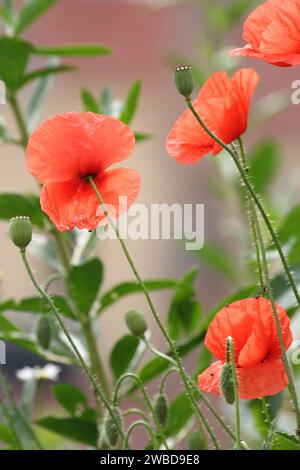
(19,118)
(254,197)
(236,394)
(146,399)
(251,214)
(96,386)
(184,378)
(135,411)
(158,353)
(133,426)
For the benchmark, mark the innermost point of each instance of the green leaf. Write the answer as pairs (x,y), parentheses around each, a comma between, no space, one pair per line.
(84,282)
(264,162)
(37,305)
(284,441)
(128,288)
(124,355)
(89,101)
(106,101)
(6,325)
(131,103)
(45,72)
(216,258)
(14,55)
(30,12)
(70,397)
(290,226)
(7,13)
(141,136)
(180,412)
(7,436)
(74,50)
(77,429)
(13,205)
(185,311)
(37,99)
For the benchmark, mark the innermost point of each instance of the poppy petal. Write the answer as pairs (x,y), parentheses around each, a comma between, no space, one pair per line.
(73,145)
(267,378)
(259,20)
(74,204)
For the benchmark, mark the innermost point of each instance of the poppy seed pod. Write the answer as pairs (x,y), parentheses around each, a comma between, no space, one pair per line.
(44,331)
(183,79)
(136,323)
(111,430)
(161,408)
(226,384)
(20,231)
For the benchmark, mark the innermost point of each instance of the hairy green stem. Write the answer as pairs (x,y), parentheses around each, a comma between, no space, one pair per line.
(236,395)
(254,196)
(251,213)
(96,386)
(184,378)
(12,99)
(135,425)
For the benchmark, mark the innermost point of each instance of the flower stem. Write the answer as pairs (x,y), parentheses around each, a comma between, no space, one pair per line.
(236,394)
(181,371)
(133,426)
(96,386)
(266,277)
(255,198)
(19,118)
(96,362)
(252,221)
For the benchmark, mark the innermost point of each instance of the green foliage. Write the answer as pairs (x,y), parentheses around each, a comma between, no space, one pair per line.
(185,311)
(80,430)
(264,164)
(84,282)
(14,56)
(130,104)
(71,398)
(15,205)
(124,355)
(30,12)
(80,50)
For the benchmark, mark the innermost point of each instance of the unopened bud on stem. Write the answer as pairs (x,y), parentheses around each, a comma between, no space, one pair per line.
(20,231)
(183,79)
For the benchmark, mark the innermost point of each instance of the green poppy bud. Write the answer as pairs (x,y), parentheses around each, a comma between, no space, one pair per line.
(136,323)
(20,231)
(226,384)
(111,431)
(183,79)
(196,441)
(103,443)
(44,331)
(161,408)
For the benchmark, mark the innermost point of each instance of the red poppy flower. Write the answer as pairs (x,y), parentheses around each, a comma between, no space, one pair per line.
(251,324)
(272,33)
(68,148)
(223,104)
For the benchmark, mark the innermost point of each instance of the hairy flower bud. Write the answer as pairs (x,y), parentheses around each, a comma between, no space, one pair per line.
(111,430)
(44,331)
(226,384)
(161,408)
(183,79)
(20,231)
(136,323)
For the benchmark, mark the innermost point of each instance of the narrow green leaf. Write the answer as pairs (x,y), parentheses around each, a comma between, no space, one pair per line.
(216,258)
(37,305)
(6,325)
(30,12)
(124,355)
(13,205)
(89,101)
(128,288)
(180,412)
(28,396)
(141,136)
(45,72)
(106,100)
(84,282)
(74,50)
(131,103)
(76,429)
(284,441)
